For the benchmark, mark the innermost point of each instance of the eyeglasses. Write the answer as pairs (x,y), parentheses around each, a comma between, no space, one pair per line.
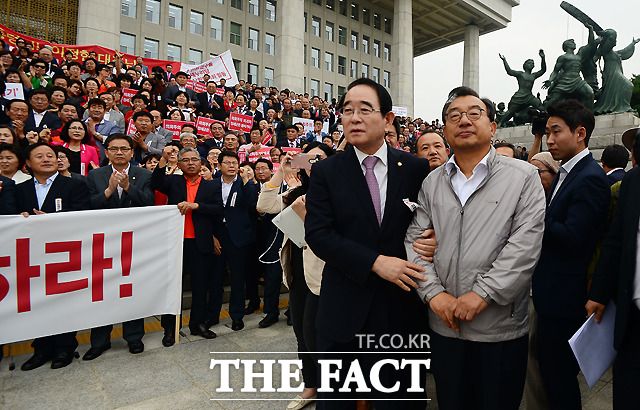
(362,111)
(40,66)
(230,163)
(76,129)
(188,160)
(116,149)
(473,114)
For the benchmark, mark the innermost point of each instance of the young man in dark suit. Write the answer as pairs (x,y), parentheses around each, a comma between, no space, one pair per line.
(199,201)
(119,185)
(50,192)
(356,222)
(172,90)
(7,196)
(291,140)
(236,231)
(577,208)
(615,159)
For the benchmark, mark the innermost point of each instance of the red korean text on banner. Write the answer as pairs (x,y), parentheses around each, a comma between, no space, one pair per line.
(190,84)
(261,153)
(220,91)
(199,87)
(127,93)
(287,149)
(175,127)
(239,122)
(131,128)
(203,125)
(267,137)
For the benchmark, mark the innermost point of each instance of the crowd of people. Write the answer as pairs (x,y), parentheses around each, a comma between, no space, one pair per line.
(447,231)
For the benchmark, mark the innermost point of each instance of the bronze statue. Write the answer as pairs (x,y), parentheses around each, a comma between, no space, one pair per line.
(523,98)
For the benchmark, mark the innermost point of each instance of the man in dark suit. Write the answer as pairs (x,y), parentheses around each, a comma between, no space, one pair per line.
(210,103)
(39,118)
(172,90)
(356,222)
(7,196)
(199,200)
(49,192)
(577,208)
(617,277)
(168,75)
(236,231)
(292,138)
(614,160)
(119,185)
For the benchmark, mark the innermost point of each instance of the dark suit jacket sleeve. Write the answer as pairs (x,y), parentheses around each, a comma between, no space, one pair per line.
(7,197)
(96,189)
(212,205)
(168,96)
(80,197)
(341,253)
(587,209)
(141,193)
(159,181)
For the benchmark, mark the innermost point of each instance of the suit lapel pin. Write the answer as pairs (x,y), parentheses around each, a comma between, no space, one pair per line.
(399,164)
(133,177)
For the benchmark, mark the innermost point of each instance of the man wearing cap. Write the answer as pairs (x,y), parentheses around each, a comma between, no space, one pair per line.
(172,90)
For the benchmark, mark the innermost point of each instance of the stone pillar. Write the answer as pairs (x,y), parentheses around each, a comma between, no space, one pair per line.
(402,56)
(289,70)
(471,62)
(99,22)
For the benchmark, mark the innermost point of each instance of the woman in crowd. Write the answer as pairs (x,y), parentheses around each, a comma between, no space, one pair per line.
(326,116)
(8,135)
(74,93)
(182,101)
(90,65)
(206,172)
(11,163)
(249,168)
(301,268)
(75,137)
(139,102)
(150,162)
(58,96)
(171,169)
(176,114)
(229,101)
(64,162)
(91,85)
(124,81)
(547,168)
(252,110)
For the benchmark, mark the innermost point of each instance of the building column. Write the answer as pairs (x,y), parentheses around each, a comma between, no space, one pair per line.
(289,70)
(402,56)
(99,23)
(471,62)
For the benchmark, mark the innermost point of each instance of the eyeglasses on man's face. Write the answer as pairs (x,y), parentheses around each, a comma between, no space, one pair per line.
(473,114)
(362,111)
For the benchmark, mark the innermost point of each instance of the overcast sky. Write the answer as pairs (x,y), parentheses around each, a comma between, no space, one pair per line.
(535,24)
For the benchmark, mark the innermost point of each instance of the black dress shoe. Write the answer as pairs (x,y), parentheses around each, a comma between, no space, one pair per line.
(268,321)
(237,325)
(211,322)
(95,352)
(169,339)
(201,330)
(289,321)
(61,360)
(252,307)
(35,361)
(136,347)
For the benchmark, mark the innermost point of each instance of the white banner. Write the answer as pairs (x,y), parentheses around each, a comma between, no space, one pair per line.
(399,111)
(307,123)
(217,68)
(77,270)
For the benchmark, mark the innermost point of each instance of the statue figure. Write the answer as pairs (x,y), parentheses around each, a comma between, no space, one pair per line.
(565,82)
(523,98)
(588,52)
(615,96)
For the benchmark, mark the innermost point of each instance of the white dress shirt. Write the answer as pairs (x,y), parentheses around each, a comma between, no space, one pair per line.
(37,117)
(462,186)
(226,189)
(380,171)
(566,167)
(43,190)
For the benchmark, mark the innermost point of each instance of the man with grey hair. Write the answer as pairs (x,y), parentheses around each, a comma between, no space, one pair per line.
(188,140)
(201,203)
(489,241)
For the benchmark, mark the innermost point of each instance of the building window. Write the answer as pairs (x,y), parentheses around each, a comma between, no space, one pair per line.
(354,40)
(330,4)
(387,52)
(254,7)
(376,75)
(385,79)
(152,11)
(315,25)
(305,22)
(236,65)
(128,8)
(376,48)
(315,57)
(328,91)
(365,44)
(271,10)
(341,91)
(196,23)
(355,11)
(315,88)
(216,28)
(329,31)
(304,54)
(365,71)
(354,69)
(328,61)
(252,73)
(235,34)
(219,1)
(342,65)
(343,7)
(195,56)
(175,16)
(376,20)
(366,16)
(254,39)
(318,2)
(150,48)
(270,44)
(342,35)
(174,52)
(127,43)
(268,77)
(236,4)
(387,25)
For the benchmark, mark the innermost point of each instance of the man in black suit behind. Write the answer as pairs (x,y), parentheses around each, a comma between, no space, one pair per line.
(614,160)
(292,138)
(119,185)
(50,192)
(172,90)
(210,103)
(356,222)
(39,118)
